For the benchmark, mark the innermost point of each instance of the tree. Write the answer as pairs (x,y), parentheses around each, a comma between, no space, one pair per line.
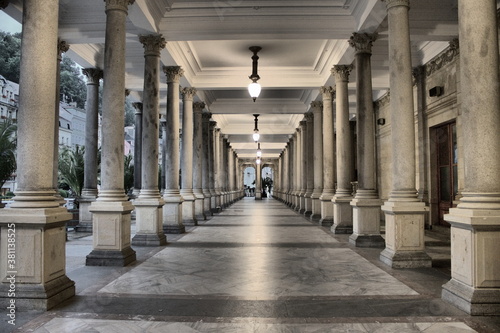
(7,150)
(10,55)
(71,170)
(73,87)
(128,181)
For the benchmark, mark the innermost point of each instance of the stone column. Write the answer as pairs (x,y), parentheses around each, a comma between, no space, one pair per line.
(328,159)
(163,129)
(172,210)
(366,204)
(404,213)
(309,162)
(205,162)
(188,204)
(291,171)
(475,223)
(258,181)
(230,173)
(199,204)
(217,170)
(149,204)
(303,166)
(89,192)
(111,211)
(317,110)
(342,211)
(137,148)
(212,166)
(224,171)
(62,47)
(35,218)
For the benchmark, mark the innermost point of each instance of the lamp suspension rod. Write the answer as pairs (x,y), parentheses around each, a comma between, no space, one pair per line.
(254,77)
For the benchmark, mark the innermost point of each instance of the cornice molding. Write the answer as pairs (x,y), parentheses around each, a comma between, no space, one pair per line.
(383,101)
(447,56)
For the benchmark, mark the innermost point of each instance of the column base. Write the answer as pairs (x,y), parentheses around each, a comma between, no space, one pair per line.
(85,216)
(404,231)
(174,229)
(367,241)
(84,226)
(188,211)
(308,213)
(39,297)
(474,301)
(326,222)
(342,215)
(366,222)
(149,240)
(413,259)
(111,257)
(326,210)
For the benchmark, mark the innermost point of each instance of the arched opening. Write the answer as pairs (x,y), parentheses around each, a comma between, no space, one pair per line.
(249,181)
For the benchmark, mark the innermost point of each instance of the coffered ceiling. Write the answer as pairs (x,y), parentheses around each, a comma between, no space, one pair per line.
(300,40)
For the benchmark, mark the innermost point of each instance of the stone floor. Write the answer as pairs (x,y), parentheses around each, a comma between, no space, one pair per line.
(258,266)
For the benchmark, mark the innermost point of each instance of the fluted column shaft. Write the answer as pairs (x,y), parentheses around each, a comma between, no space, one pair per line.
(212,166)
(149,205)
(303,165)
(317,109)
(366,205)
(217,168)
(297,166)
(475,222)
(172,211)
(328,158)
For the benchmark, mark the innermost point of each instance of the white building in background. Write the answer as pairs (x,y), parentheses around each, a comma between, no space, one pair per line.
(9,97)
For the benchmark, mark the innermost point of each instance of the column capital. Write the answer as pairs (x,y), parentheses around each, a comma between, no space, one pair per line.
(309,116)
(212,124)
(127,92)
(173,73)
(326,92)
(93,75)
(362,42)
(138,107)
(118,4)
(4,3)
(206,115)
(198,106)
(152,44)
(394,3)
(62,47)
(188,93)
(341,72)
(316,106)
(302,124)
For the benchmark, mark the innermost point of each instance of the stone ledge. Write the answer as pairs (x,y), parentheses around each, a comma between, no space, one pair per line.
(111,257)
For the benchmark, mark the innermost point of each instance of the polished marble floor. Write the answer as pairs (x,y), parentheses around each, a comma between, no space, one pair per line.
(257,266)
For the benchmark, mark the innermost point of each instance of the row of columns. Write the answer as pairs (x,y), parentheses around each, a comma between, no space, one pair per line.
(475,222)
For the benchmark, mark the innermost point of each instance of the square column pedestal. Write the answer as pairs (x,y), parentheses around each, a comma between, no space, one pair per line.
(172,215)
(85,216)
(316,208)
(326,210)
(404,235)
(111,234)
(342,215)
(33,248)
(475,261)
(366,223)
(149,222)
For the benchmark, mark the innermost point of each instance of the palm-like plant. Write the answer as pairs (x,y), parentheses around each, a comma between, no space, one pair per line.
(7,150)
(71,169)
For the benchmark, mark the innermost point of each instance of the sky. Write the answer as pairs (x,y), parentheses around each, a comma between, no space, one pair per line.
(8,24)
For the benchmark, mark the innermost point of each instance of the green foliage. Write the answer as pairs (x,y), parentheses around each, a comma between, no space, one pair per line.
(7,150)
(128,181)
(267,182)
(10,55)
(129,113)
(73,86)
(71,169)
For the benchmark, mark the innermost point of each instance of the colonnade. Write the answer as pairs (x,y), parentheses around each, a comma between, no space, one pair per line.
(475,222)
